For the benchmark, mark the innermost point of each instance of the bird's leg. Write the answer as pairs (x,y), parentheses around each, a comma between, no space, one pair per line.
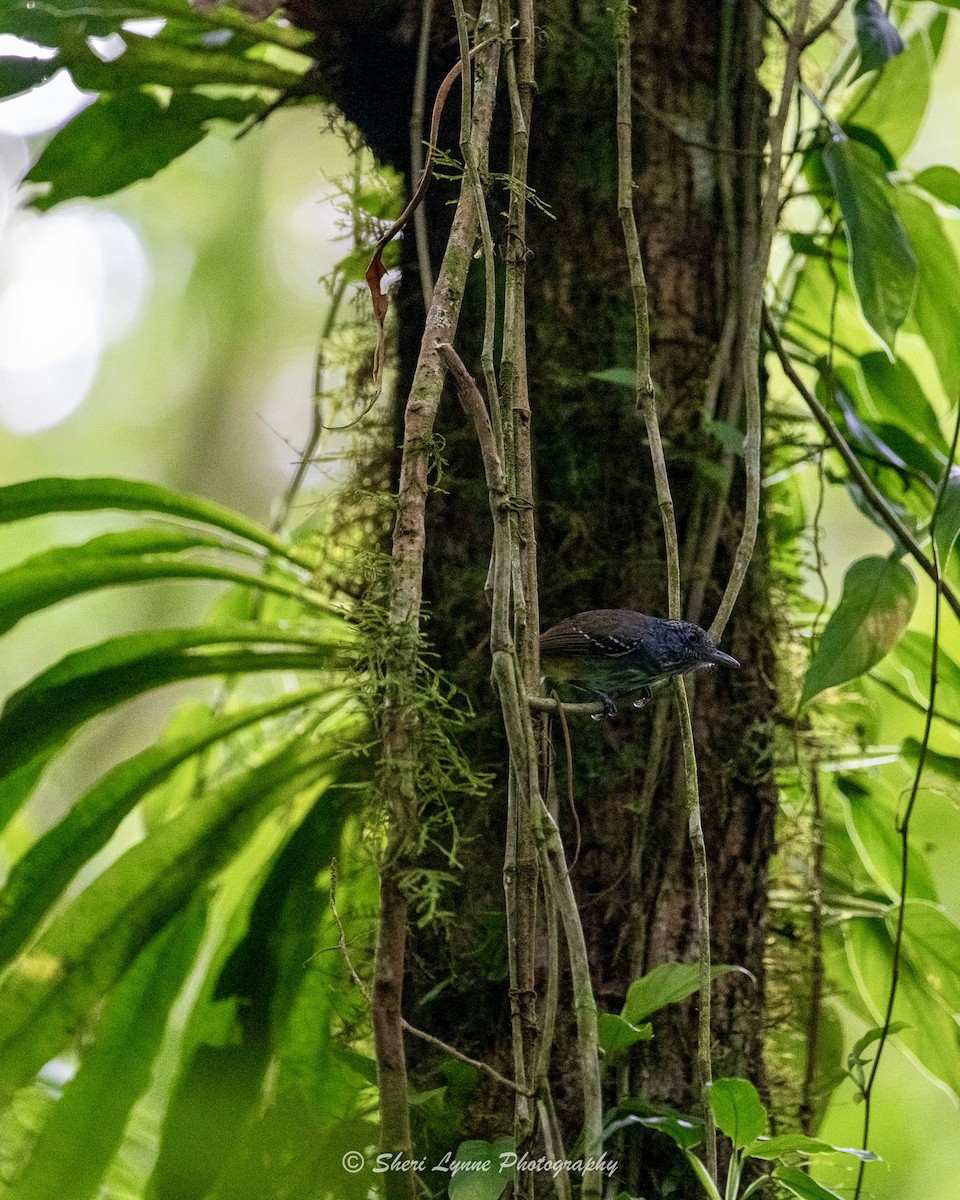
(609,708)
(646,695)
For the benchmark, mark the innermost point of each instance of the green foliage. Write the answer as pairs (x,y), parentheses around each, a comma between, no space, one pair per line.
(884,264)
(879,596)
(153,102)
(741,1115)
(223,878)
(198,873)
(442,771)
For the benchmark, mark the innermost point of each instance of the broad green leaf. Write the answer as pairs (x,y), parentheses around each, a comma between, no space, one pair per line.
(86,1125)
(884,441)
(894,104)
(928,1028)
(617,1035)
(941,182)
(936,313)
(125,137)
(932,940)
(870,818)
(819,292)
(883,263)
(37,720)
(947,528)
(798,1183)
(877,36)
(119,559)
(797,1143)
(911,661)
(149,60)
(37,879)
(687,1134)
(879,596)
(898,398)
(47,993)
(738,1110)
(947,765)
(20,74)
(704,1176)
(870,1038)
(37,497)
(665,984)
(481,1175)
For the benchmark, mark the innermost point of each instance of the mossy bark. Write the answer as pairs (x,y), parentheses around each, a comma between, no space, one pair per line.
(598,528)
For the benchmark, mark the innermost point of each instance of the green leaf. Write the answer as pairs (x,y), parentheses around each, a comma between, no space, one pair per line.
(118,559)
(20,74)
(877,38)
(870,818)
(898,398)
(665,984)
(47,993)
(911,662)
(738,1110)
(37,720)
(855,1058)
(947,528)
(617,1035)
(480,1175)
(947,765)
(37,497)
(932,940)
(153,60)
(941,182)
(86,1124)
(798,1143)
(929,1031)
(126,137)
(37,879)
(883,263)
(687,1134)
(879,596)
(894,103)
(798,1183)
(936,312)
(701,1172)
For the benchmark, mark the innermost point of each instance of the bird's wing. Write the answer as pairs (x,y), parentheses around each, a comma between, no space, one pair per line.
(608,634)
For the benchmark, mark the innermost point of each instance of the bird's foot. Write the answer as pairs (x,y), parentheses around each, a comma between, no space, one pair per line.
(646,695)
(609,708)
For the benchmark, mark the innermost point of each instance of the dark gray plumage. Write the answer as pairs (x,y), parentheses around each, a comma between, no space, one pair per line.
(617,652)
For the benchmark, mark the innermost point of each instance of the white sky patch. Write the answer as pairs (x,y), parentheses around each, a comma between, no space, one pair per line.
(71,282)
(145,26)
(46,107)
(107,49)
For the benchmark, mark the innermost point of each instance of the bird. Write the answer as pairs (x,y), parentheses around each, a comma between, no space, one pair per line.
(610,652)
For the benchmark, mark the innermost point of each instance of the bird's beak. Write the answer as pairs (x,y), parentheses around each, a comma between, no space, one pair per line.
(718,656)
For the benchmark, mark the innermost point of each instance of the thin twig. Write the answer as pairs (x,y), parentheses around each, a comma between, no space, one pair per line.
(903,823)
(416,150)
(342,935)
(753,314)
(821,27)
(646,401)
(455,1053)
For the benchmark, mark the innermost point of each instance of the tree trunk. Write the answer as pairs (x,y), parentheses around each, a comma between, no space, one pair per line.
(598,526)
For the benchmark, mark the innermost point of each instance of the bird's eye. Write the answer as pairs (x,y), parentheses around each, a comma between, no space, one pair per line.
(693,636)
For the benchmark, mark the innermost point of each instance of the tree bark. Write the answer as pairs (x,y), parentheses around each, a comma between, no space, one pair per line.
(598,528)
